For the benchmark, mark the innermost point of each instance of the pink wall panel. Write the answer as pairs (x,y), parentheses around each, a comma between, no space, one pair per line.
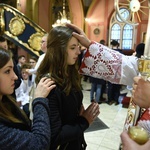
(76,10)
(97,16)
(44,16)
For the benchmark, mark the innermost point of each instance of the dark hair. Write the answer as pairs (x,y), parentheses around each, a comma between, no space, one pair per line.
(5,56)
(5,112)
(55,60)
(114,43)
(102,42)
(25,66)
(140,50)
(20,56)
(34,58)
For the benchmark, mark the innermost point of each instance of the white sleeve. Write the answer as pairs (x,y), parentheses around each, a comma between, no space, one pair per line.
(22,94)
(103,62)
(19,92)
(129,69)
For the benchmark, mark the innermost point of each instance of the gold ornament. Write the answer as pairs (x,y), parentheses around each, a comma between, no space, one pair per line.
(35,41)
(16,26)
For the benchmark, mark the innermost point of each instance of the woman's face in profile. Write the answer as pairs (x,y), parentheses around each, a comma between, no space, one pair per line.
(73,51)
(7,79)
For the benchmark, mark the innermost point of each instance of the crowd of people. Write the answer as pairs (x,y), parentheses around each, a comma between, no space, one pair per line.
(59,117)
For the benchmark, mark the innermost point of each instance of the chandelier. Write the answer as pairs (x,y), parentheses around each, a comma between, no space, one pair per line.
(62,17)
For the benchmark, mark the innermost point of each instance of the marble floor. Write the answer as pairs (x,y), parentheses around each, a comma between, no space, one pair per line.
(113,116)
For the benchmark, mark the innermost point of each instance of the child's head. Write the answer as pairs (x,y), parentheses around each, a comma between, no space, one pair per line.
(21,59)
(24,73)
(33,60)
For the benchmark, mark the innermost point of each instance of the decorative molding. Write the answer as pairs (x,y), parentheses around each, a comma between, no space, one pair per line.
(96,31)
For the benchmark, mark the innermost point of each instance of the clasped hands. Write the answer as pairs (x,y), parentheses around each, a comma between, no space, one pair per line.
(91,112)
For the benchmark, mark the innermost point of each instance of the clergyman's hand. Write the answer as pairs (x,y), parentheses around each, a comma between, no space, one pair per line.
(80,35)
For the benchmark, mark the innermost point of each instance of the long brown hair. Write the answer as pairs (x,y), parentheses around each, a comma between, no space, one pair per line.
(8,104)
(55,60)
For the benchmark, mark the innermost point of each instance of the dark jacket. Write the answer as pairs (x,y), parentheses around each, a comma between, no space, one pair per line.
(67,127)
(19,136)
(97,81)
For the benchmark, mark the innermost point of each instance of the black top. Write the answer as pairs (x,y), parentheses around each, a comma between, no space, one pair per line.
(67,127)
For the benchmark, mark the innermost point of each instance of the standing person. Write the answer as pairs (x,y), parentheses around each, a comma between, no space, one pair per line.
(33,71)
(16,131)
(113,90)
(44,49)
(140,50)
(21,61)
(32,61)
(96,87)
(4,45)
(68,117)
(24,90)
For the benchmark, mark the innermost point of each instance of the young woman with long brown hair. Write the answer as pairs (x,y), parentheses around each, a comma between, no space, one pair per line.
(16,130)
(68,117)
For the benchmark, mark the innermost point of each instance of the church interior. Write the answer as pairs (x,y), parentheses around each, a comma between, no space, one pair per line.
(24,22)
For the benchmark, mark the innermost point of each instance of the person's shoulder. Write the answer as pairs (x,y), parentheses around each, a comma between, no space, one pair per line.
(56,91)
